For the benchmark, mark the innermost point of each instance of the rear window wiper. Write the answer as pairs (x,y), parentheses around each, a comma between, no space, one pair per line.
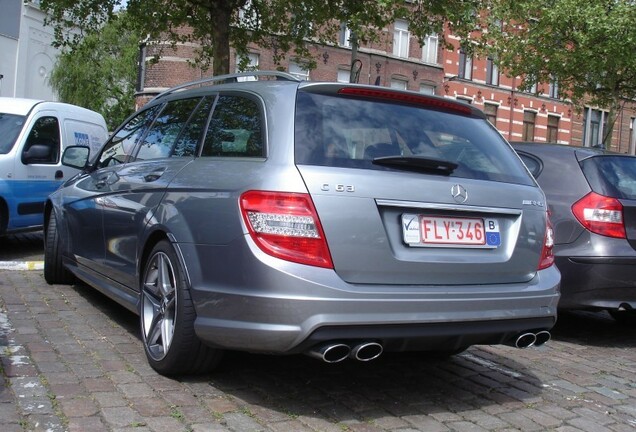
(417,163)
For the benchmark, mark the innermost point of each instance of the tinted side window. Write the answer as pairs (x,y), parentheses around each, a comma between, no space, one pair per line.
(162,136)
(43,143)
(235,129)
(191,135)
(533,164)
(122,144)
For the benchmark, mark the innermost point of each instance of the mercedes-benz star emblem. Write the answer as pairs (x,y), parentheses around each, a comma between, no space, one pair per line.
(459,193)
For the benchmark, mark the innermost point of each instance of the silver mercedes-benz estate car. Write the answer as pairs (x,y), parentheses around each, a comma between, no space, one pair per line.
(283,216)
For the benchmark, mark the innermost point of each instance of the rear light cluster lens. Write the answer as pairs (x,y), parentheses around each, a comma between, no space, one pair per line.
(600,214)
(547,254)
(394,96)
(286,226)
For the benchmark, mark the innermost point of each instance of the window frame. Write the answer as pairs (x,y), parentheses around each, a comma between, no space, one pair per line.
(402,36)
(465,70)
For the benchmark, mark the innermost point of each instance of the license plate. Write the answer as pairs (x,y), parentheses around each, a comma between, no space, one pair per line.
(440,231)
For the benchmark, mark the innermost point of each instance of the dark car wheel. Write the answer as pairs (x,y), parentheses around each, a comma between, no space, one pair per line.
(625,317)
(167,318)
(54,270)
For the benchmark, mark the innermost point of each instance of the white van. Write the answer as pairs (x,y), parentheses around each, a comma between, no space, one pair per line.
(33,135)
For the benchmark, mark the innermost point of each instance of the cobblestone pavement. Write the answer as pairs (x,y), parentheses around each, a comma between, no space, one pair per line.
(72,360)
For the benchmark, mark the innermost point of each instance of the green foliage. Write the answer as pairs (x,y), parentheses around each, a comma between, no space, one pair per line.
(100,71)
(281,25)
(588,46)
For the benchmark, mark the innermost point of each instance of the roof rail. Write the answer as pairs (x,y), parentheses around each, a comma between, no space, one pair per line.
(280,76)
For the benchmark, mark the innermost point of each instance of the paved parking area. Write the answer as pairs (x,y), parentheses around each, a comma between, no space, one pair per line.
(72,360)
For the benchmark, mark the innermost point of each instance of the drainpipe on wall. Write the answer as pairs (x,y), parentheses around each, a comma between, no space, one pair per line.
(512,99)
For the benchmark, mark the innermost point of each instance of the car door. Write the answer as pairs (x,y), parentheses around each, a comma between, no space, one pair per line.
(139,186)
(38,170)
(85,201)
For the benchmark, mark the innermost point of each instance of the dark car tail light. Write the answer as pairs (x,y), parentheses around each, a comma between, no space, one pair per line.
(393,96)
(600,214)
(286,226)
(547,254)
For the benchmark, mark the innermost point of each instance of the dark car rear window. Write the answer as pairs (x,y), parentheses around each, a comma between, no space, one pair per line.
(613,176)
(346,132)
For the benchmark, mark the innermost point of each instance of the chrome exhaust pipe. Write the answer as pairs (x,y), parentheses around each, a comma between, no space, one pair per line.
(330,352)
(525,340)
(542,337)
(366,351)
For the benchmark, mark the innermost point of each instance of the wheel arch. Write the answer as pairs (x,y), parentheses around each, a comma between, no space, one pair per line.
(153,238)
(4,215)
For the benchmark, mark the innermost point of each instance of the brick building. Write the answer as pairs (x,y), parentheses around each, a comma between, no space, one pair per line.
(398,60)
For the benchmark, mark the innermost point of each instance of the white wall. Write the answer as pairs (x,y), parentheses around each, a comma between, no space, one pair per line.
(26,62)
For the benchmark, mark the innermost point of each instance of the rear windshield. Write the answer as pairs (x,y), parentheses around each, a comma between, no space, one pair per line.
(345,132)
(10,127)
(613,176)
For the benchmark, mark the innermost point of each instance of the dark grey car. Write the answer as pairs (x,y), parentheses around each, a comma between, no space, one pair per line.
(285,217)
(592,198)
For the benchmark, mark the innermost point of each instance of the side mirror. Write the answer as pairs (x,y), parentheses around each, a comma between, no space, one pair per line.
(76,156)
(37,153)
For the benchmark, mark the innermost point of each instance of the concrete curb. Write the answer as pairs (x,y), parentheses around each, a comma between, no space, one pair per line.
(21,265)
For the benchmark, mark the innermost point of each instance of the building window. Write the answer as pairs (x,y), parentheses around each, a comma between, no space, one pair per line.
(529,119)
(298,71)
(427,89)
(553,89)
(399,84)
(401,38)
(593,127)
(492,72)
(248,16)
(467,101)
(252,65)
(344,75)
(553,129)
(344,38)
(491,113)
(465,66)
(430,48)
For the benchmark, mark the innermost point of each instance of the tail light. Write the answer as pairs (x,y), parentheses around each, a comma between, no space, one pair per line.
(547,253)
(600,214)
(286,226)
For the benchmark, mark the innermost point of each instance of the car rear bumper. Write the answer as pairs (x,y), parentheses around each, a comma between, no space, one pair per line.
(268,305)
(597,282)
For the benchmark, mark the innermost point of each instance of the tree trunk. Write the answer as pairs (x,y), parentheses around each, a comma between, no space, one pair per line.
(612,115)
(221,18)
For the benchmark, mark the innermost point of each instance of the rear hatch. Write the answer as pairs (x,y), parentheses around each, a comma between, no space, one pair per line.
(614,176)
(415,190)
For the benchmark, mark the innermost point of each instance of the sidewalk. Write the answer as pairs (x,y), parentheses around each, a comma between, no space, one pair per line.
(72,360)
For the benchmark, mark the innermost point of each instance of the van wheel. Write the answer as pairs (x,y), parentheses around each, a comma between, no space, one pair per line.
(167,318)
(54,270)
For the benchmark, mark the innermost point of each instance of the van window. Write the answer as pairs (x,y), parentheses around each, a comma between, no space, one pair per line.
(10,127)
(166,129)
(122,144)
(235,129)
(43,143)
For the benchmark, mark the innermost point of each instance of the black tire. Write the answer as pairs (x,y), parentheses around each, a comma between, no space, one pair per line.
(624,317)
(167,318)
(54,270)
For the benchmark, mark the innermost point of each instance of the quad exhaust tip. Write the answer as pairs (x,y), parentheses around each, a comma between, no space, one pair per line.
(335,352)
(528,339)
